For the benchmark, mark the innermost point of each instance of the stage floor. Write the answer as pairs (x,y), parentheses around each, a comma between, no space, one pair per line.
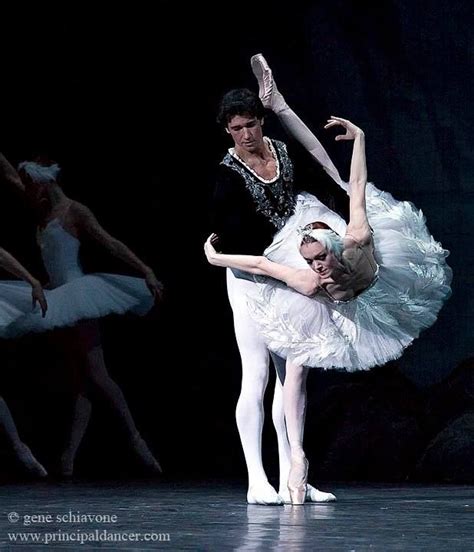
(155,515)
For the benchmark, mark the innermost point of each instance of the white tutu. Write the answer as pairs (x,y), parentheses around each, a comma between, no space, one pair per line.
(377,325)
(15,301)
(76,296)
(87,297)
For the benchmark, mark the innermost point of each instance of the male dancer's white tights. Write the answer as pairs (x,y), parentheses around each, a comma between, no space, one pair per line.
(249,412)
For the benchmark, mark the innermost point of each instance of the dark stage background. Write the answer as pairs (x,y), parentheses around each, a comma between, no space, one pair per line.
(126,101)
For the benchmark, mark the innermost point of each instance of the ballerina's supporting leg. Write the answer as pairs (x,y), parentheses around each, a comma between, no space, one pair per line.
(22,452)
(284,452)
(80,421)
(294,400)
(97,376)
(73,344)
(108,388)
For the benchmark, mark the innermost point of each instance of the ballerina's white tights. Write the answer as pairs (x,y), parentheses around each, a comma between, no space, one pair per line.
(92,372)
(8,425)
(294,400)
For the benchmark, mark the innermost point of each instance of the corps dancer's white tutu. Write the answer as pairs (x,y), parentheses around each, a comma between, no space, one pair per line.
(377,325)
(75,296)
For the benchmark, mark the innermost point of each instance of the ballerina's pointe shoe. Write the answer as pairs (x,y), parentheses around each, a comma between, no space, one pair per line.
(66,465)
(24,454)
(312,495)
(145,455)
(264,494)
(267,89)
(297,480)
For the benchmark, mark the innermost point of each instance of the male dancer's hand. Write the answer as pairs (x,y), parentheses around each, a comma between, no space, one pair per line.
(210,250)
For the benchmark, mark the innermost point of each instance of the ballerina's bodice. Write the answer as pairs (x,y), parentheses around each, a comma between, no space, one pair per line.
(360,273)
(60,253)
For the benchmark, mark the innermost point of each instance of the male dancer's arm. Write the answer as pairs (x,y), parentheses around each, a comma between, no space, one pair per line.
(88,225)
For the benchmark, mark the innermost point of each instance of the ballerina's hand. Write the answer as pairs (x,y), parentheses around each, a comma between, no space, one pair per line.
(38,296)
(154,285)
(352,131)
(209,249)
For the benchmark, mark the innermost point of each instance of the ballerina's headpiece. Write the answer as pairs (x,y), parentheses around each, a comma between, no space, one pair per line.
(40,174)
(329,239)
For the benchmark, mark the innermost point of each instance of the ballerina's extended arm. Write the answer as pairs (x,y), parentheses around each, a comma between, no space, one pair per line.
(7,261)
(10,174)
(305,281)
(358,226)
(89,225)
(11,265)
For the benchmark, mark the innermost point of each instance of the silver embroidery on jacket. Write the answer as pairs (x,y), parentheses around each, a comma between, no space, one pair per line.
(276,199)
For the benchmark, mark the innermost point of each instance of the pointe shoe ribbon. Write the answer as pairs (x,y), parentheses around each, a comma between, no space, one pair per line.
(267,89)
(297,480)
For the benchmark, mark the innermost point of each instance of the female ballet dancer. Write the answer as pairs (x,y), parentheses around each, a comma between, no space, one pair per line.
(366,296)
(8,312)
(77,300)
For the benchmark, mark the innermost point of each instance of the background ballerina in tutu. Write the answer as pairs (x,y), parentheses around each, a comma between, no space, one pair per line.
(8,311)
(76,300)
(368,293)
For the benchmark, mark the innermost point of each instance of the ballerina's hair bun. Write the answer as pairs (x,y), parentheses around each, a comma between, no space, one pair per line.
(320,232)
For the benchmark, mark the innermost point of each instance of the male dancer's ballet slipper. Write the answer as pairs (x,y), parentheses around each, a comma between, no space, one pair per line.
(315,495)
(264,494)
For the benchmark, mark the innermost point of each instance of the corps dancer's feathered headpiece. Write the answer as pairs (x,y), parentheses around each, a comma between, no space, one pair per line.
(40,174)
